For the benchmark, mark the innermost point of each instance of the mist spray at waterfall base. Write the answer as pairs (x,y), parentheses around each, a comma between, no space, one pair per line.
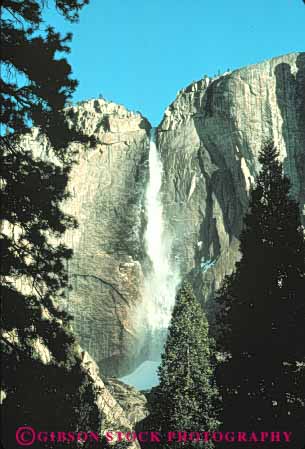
(161,277)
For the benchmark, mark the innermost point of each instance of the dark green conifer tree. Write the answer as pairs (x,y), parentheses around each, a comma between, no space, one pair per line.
(186,398)
(36,85)
(261,322)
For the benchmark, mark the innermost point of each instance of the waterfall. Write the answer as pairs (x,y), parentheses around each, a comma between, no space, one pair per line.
(162,277)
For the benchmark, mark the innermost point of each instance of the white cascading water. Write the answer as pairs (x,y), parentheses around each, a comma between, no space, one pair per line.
(161,279)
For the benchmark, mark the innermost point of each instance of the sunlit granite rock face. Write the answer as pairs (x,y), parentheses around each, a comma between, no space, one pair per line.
(209,139)
(107,187)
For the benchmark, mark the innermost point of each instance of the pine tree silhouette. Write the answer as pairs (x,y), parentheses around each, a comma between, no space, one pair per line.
(261,322)
(35,87)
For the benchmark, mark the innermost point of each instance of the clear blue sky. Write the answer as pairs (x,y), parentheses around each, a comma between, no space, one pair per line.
(141,52)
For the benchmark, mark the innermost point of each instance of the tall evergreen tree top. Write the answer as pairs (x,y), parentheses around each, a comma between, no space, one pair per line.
(268,284)
(188,325)
(187,394)
(261,317)
(273,224)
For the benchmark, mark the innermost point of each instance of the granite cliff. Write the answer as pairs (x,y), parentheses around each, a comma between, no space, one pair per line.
(107,188)
(209,141)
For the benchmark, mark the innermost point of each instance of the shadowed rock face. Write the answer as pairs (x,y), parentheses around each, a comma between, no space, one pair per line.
(121,407)
(209,139)
(132,401)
